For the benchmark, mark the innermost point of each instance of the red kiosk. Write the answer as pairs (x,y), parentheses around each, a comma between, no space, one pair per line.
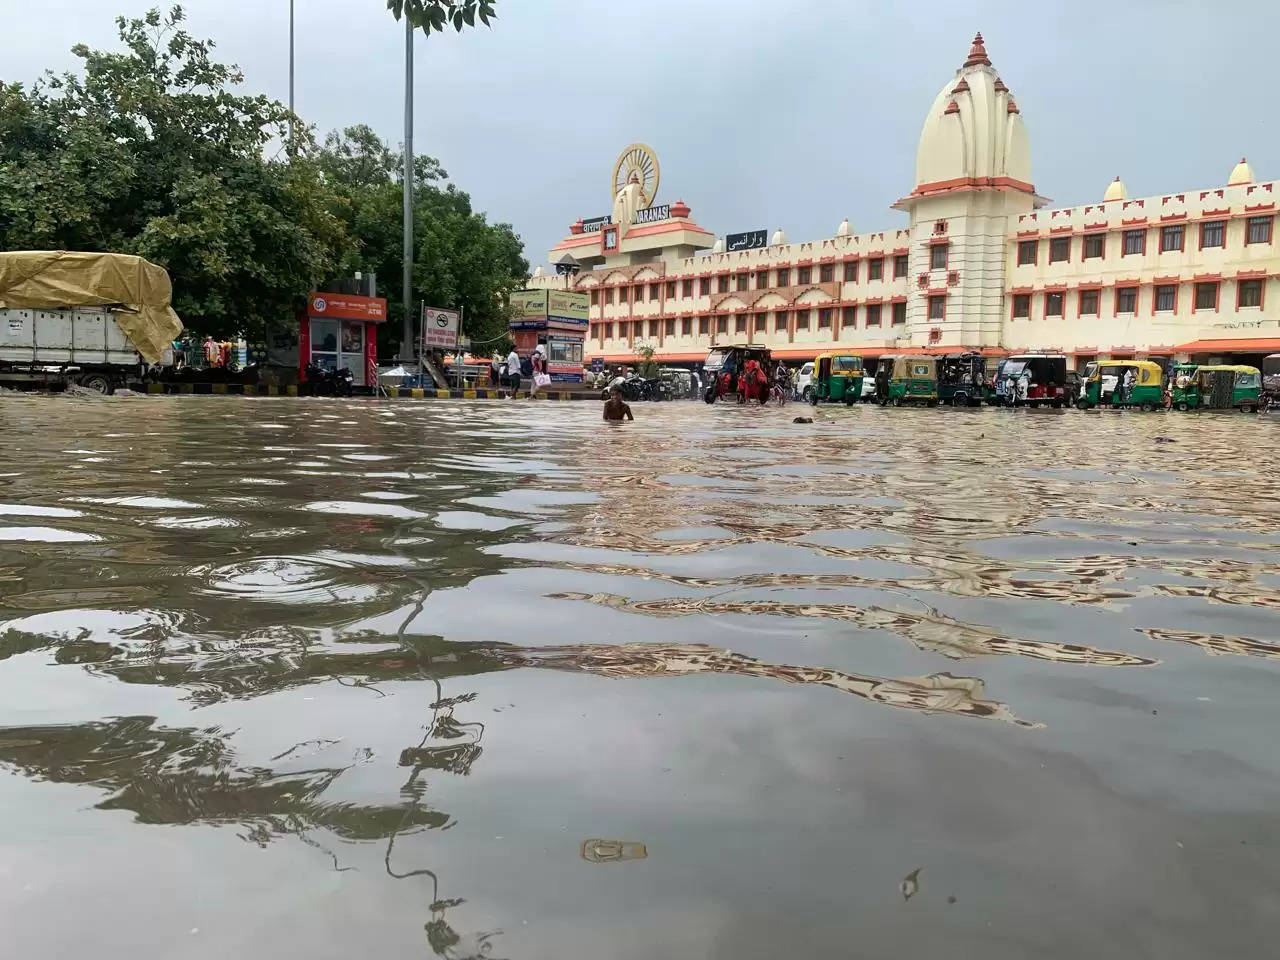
(340,330)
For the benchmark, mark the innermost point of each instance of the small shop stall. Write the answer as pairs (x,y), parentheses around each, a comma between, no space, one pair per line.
(340,330)
(556,319)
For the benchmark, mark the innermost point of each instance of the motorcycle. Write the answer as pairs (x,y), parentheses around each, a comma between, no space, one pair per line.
(329,383)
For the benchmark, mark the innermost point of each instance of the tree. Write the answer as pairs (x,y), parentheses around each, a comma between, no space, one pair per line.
(152,150)
(433,16)
(460,259)
(647,367)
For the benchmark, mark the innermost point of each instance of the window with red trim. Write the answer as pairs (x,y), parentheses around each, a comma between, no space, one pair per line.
(937,308)
(722,324)
(1095,245)
(784,277)
(826,272)
(686,289)
(671,327)
(1021,306)
(779,322)
(722,283)
(824,318)
(873,315)
(1126,299)
(938,254)
(1089,303)
(1213,233)
(1059,249)
(875,269)
(1259,230)
(655,291)
(671,289)
(740,323)
(1053,304)
(899,316)
(1171,238)
(622,294)
(1249,293)
(1206,296)
(762,279)
(686,326)
(704,286)
(1166,297)
(1135,242)
(804,275)
(595,297)
(802,319)
(849,317)
(1027,252)
(744,281)
(704,326)
(900,266)
(851,272)
(762,323)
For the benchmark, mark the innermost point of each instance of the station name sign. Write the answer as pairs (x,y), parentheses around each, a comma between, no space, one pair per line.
(654,214)
(595,224)
(751,240)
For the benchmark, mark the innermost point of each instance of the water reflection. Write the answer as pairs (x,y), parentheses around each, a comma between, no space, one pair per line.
(184,580)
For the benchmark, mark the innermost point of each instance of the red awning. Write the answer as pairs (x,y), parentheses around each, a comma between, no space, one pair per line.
(1256,345)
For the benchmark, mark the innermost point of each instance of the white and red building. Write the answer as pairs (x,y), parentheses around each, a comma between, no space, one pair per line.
(982,263)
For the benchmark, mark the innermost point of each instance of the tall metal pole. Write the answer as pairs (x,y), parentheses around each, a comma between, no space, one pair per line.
(291,78)
(406,339)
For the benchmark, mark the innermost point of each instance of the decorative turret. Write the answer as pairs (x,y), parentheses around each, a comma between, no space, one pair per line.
(977,53)
(974,134)
(577,227)
(680,210)
(779,238)
(539,272)
(719,245)
(1241,174)
(1116,190)
(843,229)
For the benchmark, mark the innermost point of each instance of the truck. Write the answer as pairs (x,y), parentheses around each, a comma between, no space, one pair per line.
(97,320)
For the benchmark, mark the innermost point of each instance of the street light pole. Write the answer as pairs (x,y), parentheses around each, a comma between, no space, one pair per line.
(291,78)
(406,339)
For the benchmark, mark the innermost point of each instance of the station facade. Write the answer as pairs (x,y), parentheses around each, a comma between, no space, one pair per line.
(983,262)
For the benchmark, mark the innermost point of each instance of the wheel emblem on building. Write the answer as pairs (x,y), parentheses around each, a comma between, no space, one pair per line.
(638,159)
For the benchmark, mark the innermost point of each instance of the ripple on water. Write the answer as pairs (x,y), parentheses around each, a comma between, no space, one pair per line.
(36,510)
(141,502)
(287,580)
(46,535)
(363,509)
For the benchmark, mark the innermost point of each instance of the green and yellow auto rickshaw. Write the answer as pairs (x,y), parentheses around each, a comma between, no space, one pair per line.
(837,377)
(1122,383)
(913,379)
(1218,387)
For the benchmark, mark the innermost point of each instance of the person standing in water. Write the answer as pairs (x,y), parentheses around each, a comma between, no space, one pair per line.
(616,409)
(513,372)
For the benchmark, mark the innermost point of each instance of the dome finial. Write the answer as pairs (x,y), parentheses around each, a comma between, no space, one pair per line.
(1116,190)
(977,53)
(1242,173)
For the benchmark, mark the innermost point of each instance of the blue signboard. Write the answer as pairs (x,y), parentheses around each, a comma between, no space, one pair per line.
(597,364)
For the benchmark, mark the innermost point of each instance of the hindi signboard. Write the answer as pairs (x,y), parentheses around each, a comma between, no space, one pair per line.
(439,328)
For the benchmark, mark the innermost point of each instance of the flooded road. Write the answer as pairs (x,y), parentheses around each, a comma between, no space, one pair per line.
(312,678)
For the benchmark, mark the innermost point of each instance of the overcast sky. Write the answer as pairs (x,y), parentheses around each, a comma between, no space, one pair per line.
(764,113)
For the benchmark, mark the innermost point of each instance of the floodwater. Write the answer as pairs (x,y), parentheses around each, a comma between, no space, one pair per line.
(315,678)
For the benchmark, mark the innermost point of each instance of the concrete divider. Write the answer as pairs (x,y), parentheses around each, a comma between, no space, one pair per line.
(394,393)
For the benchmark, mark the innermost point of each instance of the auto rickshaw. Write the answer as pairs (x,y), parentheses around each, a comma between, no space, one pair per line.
(836,377)
(913,379)
(1219,387)
(1107,384)
(1033,379)
(723,365)
(962,379)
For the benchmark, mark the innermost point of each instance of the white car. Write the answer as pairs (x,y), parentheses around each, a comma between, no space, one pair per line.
(804,382)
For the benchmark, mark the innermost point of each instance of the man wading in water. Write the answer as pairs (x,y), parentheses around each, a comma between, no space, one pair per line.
(616,409)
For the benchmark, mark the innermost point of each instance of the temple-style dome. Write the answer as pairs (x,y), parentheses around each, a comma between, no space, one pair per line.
(843,229)
(973,130)
(1241,173)
(1116,190)
(718,247)
(779,238)
(538,272)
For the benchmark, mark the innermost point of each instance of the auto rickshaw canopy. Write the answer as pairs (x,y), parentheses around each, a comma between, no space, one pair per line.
(1148,370)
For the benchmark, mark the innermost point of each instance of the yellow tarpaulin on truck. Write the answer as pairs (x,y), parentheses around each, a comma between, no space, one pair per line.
(53,279)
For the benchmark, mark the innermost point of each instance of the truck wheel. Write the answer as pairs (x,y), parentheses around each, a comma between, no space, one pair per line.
(99,383)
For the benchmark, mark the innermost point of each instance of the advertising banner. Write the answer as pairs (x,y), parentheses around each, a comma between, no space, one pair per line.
(567,306)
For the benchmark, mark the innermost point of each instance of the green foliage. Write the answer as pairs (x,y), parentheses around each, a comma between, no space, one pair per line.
(647,367)
(433,16)
(153,149)
(460,259)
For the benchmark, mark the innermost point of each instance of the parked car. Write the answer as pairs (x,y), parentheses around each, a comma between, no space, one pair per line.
(804,382)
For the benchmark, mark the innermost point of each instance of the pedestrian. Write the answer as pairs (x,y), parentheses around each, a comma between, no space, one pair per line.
(495,371)
(513,373)
(538,366)
(616,409)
